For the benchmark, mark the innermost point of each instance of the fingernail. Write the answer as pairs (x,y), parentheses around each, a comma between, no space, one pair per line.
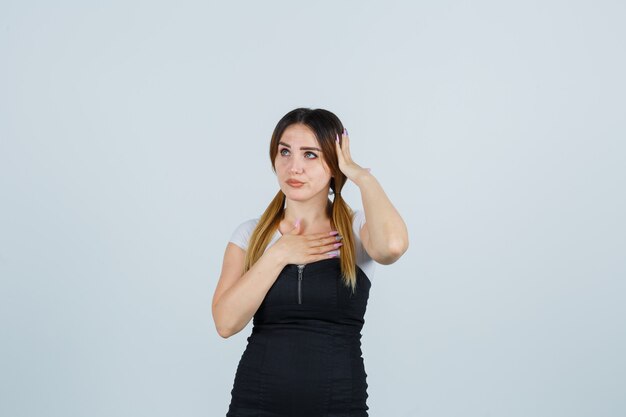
(338,245)
(337,137)
(338,237)
(297,223)
(333,254)
(333,233)
(369,169)
(345,131)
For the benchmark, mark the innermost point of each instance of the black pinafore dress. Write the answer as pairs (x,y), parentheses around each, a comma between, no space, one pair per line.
(303,358)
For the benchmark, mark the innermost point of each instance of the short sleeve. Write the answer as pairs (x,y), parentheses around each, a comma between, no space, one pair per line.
(358,221)
(241,235)
(363,260)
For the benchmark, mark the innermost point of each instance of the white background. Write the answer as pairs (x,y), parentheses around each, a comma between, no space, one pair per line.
(134,139)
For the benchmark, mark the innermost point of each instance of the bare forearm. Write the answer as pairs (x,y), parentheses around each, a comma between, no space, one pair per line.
(237,305)
(387,231)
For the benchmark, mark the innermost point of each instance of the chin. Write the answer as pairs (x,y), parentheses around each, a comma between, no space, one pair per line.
(299,195)
(296,196)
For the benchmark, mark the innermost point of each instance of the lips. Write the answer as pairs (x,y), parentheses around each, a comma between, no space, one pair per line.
(294,183)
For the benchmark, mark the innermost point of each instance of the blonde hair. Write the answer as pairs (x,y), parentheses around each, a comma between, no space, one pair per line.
(325,126)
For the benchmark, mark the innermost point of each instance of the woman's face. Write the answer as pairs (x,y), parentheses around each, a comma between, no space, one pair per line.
(300,167)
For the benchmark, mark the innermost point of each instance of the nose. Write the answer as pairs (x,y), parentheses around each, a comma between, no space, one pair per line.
(296,166)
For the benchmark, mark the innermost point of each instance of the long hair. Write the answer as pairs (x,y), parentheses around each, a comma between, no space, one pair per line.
(325,126)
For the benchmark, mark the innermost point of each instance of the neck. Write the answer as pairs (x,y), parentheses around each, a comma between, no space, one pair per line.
(309,213)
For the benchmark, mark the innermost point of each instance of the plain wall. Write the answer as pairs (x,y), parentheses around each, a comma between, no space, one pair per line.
(134,139)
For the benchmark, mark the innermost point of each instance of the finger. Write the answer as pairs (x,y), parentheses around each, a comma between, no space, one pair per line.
(322,256)
(314,236)
(339,150)
(327,247)
(326,241)
(319,244)
(332,247)
(346,144)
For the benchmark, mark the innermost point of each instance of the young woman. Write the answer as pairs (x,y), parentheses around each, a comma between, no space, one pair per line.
(302,271)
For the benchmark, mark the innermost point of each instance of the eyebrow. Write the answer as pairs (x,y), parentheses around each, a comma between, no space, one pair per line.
(304,148)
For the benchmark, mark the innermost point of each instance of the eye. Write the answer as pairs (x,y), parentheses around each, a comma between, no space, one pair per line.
(284,151)
(310,155)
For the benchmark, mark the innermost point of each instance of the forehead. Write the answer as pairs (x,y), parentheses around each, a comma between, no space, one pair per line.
(300,135)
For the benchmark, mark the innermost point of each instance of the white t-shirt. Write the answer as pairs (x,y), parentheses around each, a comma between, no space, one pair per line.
(242,233)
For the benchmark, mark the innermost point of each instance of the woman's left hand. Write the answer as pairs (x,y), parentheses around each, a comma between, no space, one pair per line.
(351,169)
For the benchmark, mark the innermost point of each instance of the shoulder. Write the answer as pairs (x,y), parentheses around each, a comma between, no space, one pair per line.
(242,233)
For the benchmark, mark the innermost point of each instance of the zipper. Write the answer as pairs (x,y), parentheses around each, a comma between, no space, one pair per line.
(300,268)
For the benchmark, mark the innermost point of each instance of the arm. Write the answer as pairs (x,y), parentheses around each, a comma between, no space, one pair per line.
(237,295)
(384,235)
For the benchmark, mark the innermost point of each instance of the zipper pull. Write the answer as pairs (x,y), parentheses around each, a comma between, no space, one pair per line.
(300,268)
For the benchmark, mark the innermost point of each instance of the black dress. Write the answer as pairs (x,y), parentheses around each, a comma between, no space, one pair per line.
(303,358)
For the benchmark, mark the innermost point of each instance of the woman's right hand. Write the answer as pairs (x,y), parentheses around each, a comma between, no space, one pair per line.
(297,249)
